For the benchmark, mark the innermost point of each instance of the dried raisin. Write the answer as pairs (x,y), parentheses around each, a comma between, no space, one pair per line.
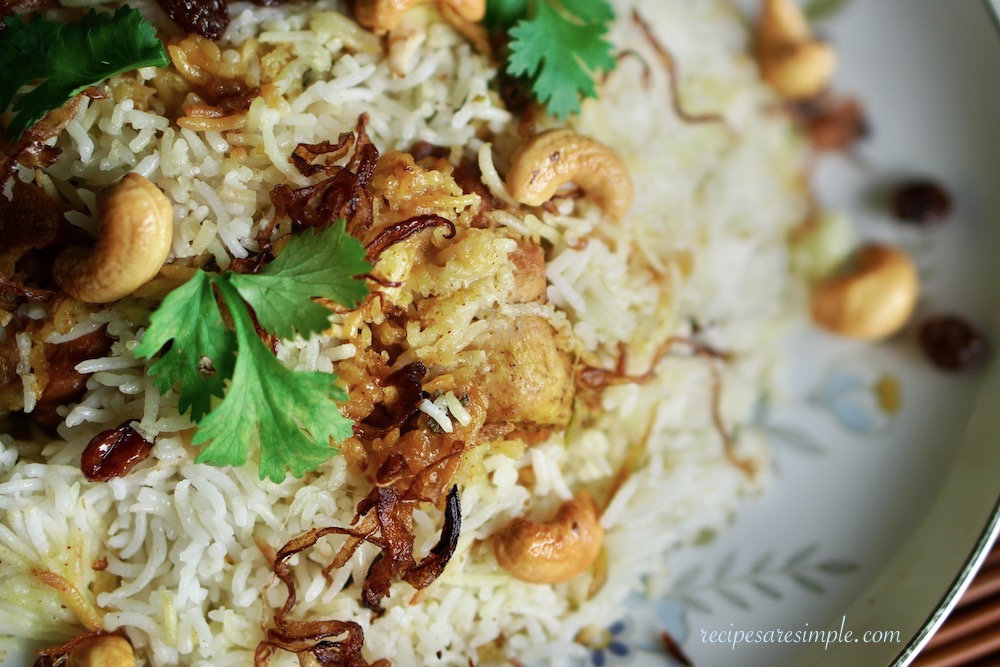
(113,453)
(208,18)
(921,203)
(951,343)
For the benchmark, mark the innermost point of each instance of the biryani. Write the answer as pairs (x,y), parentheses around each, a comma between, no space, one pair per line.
(541,342)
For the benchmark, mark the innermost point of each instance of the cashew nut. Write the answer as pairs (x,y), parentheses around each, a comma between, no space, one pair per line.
(381,16)
(874,300)
(551,159)
(103,651)
(796,65)
(553,552)
(136,229)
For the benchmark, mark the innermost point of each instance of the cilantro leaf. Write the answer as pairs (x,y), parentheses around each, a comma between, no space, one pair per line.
(312,265)
(504,13)
(591,12)
(202,350)
(561,52)
(295,414)
(69,58)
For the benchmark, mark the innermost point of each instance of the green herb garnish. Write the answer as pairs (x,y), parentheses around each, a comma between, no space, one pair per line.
(294,414)
(559,46)
(69,58)
(817,10)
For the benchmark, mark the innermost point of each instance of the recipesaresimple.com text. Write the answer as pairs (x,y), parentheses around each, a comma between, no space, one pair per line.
(735,637)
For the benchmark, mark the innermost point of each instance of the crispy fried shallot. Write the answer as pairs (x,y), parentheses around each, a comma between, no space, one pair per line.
(647,70)
(431,567)
(407,381)
(598,379)
(670,65)
(831,124)
(379,280)
(302,637)
(29,154)
(747,467)
(231,107)
(401,231)
(304,155)
(343,194)
(389,513)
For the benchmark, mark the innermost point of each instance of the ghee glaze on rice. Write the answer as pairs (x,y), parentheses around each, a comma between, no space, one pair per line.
(568,354)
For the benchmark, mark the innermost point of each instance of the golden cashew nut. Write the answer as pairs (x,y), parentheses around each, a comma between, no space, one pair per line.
(551,159)
(874,300)
(796,65)
(381,16)
(103,651)
(552,552)
(136,230)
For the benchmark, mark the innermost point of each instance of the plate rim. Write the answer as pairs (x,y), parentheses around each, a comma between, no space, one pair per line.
(988,537)
(962,580)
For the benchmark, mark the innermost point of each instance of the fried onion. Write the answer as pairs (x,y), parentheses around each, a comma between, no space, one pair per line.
(385,519)
(401,231)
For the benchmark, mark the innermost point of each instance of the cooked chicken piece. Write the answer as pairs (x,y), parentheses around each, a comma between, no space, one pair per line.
(529,382)
(529,272)
(65,385)
(11,395)
(53,365)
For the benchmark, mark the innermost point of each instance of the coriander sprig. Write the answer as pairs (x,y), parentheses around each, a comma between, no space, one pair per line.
(294,415)
(66,59)
(558,46)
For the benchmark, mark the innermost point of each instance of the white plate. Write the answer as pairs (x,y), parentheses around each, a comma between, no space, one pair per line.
(875,521)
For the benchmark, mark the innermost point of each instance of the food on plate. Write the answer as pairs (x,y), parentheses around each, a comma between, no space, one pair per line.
(952,343)
(921,202)
(792,61)
(872,298)
(381,331)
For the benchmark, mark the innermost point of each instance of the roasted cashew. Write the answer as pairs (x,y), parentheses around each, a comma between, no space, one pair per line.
(796,65)
(136,229)
(874,300)
(553,552)
(103,651)
(381,16)
(551,159)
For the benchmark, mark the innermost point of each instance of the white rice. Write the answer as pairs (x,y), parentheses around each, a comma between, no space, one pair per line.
(704,245)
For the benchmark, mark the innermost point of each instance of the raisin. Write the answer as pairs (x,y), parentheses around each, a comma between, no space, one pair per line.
(921,203)
(208,18)
(951,343)
(113,453)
